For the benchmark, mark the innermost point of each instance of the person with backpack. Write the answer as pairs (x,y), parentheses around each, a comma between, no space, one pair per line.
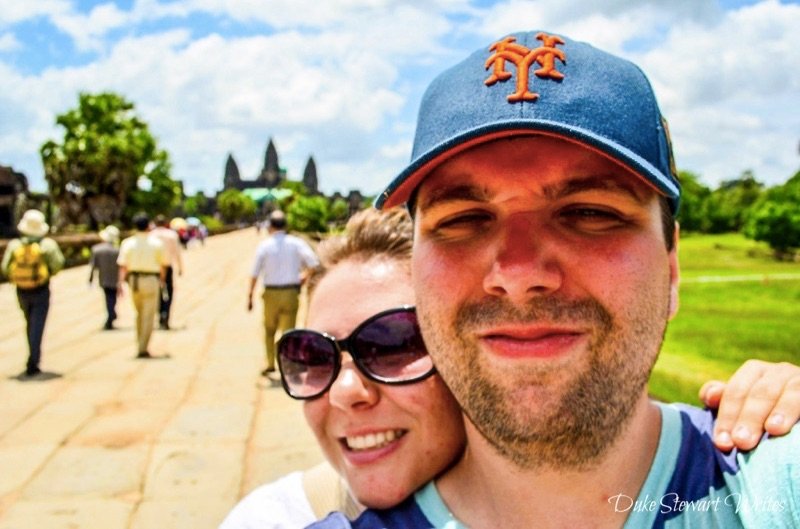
(29,262)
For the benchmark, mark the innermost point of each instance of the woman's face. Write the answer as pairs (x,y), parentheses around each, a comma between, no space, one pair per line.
(387,441)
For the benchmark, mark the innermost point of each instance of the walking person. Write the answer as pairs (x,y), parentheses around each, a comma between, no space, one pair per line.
(281,261)
(172,250)
(29,262)
(104,261)
(143,264)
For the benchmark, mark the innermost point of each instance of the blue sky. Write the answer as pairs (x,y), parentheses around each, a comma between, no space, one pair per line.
(341,79)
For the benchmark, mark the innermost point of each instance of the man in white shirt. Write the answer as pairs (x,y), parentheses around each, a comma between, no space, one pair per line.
(172,252)
(142,261)
(280,260)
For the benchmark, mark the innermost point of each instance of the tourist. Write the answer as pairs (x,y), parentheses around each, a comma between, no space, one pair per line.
(29,262)
(281,261)
(143,264)
(545,270)
(104,261)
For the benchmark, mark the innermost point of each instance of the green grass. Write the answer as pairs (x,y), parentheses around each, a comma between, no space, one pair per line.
(722,324)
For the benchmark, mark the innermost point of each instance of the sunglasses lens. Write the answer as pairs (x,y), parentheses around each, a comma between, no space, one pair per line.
(307,362)
(391,348)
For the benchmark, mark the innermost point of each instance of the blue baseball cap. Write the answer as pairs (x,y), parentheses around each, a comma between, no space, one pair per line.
(540,83)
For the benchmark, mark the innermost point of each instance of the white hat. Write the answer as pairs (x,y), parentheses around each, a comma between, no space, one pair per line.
(109,234)
(33,224)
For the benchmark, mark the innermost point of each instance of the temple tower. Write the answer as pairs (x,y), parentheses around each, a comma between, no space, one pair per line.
(310,176)
(232,178)
(271,174)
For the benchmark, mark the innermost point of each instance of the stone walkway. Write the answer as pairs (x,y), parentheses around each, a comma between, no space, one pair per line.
(107,441)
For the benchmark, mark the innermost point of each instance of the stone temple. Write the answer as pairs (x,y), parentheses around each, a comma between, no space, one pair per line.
(271,173)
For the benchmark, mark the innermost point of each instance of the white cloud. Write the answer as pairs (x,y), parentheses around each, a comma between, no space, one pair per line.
(9,42)
(342,81)
(730,92)
(88,31)
(14,11)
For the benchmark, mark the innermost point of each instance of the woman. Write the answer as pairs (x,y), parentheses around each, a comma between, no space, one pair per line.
(385,421)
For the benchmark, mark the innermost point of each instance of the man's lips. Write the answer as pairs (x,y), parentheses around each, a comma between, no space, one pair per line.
(531,342)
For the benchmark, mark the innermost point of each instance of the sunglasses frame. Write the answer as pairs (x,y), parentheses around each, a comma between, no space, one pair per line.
(344,345)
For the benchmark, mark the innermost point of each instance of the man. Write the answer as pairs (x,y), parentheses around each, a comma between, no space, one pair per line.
(29,262)
(104,261)
(281,260)
(545,270)
(143,263)
(172,248)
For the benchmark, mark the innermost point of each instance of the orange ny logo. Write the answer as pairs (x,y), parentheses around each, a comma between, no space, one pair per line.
(523,58)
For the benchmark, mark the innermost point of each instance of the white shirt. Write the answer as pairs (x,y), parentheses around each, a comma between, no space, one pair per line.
(281,504)
(172,247)
(140,253)
(280,258)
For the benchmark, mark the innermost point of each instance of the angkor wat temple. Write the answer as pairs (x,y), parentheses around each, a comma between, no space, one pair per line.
(271,173)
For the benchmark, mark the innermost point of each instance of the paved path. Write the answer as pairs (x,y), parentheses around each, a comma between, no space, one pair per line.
(107,441)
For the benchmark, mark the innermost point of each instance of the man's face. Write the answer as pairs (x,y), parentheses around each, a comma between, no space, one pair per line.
(543,286)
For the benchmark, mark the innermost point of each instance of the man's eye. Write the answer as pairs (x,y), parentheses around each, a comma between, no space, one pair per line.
(593,215)
(464,220)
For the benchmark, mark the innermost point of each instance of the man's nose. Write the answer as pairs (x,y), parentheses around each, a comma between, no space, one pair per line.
(525,261)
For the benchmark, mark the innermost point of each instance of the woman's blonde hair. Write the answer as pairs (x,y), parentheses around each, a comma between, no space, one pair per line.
(369,234)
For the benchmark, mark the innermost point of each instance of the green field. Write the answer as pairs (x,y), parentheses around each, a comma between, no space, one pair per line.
(726,315)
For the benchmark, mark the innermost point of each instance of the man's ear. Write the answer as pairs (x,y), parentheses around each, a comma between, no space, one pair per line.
(674,273)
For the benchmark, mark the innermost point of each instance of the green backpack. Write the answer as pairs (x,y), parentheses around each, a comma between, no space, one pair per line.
(28,268)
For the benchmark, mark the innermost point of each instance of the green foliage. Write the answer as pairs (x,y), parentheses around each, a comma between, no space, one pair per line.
(212,223)
(309,214)
(235,206)
(735,303)
(726,207)
(693,197)
(775,218)
(92,172)
(298,190)
(339,210)
(195,205)
(164,194)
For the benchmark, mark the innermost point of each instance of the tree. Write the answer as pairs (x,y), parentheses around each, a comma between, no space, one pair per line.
(235,206)
(693,197)
(195,205)
(308,214)
(339,210)
(726,207)
(775,218)
(93,172)
(162,194)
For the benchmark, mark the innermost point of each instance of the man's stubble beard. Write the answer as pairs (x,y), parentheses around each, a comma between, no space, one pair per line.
(594,405)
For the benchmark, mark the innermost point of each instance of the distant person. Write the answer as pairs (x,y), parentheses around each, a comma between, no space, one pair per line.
(143,264)
(172,250)
(281,259)
(202,233)
(104,261)
(29,262)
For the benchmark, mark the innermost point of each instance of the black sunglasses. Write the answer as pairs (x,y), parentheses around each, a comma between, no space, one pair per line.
(386,348)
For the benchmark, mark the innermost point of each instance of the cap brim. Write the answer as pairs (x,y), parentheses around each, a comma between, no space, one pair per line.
(401,188)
